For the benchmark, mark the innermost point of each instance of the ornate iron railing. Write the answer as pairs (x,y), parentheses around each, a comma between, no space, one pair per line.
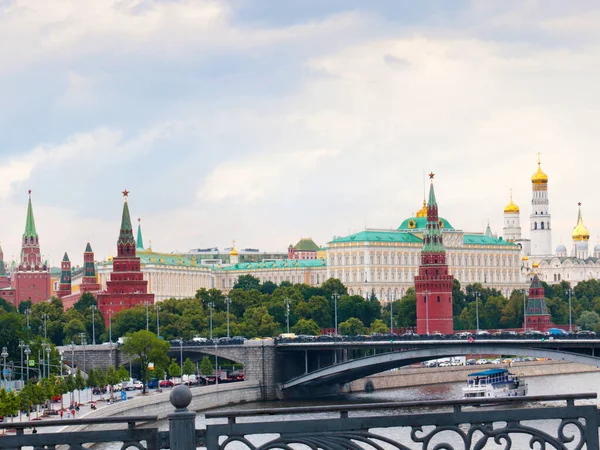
(432,425)
(568,426)
(140,438)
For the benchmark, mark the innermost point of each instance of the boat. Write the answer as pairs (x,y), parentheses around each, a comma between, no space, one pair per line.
(494,383)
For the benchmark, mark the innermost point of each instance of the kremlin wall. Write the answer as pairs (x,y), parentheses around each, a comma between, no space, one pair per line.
(425,252)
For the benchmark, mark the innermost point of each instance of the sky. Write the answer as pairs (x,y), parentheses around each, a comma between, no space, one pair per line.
(265,121)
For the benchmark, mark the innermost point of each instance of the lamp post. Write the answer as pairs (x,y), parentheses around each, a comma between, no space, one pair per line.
(392,314)
(27,314)
(4,355)
(157,307)
(93,308)
(72,347)
(27,352)
(287,314)
(61,363)
(477,295)
(426,296)
(181,356)
(147,316)
(110,326)
(83,343)
(570,292)
(211,305)
(335,296)
(45,317)
(48,348)
(21,347)
(227,302)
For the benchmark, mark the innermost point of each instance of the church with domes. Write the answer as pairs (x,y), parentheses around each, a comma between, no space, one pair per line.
(572,263)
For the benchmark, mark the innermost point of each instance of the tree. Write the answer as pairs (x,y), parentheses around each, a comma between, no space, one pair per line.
(352,327)
(188,367)
(145,347)
(92,381)
(112,377)
(123,373)
(589,320)
(378,326)
(79,384)
(247,283)
(174,369)
(306,326)
(333,285)
(268,287)
(206,366)
(406,310)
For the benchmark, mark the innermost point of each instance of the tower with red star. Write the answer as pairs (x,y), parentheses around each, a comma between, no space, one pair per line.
(126,287)
(434,283)
(89,283)
(64,286)
(538,314)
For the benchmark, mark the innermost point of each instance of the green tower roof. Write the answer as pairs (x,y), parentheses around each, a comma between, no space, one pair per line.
(30,223)
(126,232)
(432,237)
(88,248)
(2,266)
(139,241)
(65,258)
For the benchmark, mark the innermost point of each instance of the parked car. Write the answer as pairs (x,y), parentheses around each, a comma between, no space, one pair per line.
(557,332)
(483,333)
(137,384)
(431,364)
(497,361)
(470,362)
(165,383)
(482,361)
(445,364)
(153,383)
(585,333)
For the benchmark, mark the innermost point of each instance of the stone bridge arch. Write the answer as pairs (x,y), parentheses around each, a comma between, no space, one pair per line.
(347,371)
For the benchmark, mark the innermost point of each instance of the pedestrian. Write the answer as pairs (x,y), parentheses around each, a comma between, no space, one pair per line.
(61,412)
(34,431)
(68,414)
(73,412)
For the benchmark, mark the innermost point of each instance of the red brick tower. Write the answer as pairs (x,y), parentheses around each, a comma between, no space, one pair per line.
(64,286)
(31,280)
(127,287)
(433,284)
(89,283)
(538,315)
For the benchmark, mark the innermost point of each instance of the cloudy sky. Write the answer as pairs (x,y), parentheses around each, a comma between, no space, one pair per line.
(267,120)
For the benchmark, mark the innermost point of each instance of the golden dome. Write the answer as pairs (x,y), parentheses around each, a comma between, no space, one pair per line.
(580,232)
(511,207)
(539,177)
(233,251)
(423,211)
(535,265)
(525,258)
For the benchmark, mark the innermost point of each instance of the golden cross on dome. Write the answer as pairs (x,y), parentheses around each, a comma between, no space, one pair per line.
(233,242)
(539,154)
(125,193)
(431,175)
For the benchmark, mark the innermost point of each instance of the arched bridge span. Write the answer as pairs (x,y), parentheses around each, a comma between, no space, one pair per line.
(347,371)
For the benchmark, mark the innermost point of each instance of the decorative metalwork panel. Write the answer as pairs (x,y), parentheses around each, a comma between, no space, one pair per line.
(571,427)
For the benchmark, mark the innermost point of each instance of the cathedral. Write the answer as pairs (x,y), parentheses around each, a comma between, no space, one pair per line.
(572,264)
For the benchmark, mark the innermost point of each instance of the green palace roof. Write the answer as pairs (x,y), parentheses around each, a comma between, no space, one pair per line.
(420,224)
(482,239)
(379,235)
(306,245)
(277,264)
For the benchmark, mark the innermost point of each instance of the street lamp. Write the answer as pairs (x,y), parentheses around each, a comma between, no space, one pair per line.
(27,352)
(45,317)
(4,355)
(110,326)
(570,292)
(211,305)
(21,347)
(84,343)
(147,316)
(181,356)
(227,302)
(392,314)
(426,297)
(48,348)
(287,313)
(157,307)
(72,347)
(335,296)
(61,363)
(524,311)
(477,295)
(93,308)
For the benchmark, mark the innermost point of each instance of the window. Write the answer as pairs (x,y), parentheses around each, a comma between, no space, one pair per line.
(438,298)
(535,225)
(542,225)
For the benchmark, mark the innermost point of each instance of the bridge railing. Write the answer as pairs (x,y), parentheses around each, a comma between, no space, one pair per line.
(332,427)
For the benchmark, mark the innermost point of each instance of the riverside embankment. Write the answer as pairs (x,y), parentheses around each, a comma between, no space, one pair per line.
(421,376)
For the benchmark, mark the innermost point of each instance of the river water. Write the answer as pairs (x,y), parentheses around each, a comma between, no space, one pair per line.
(547,385)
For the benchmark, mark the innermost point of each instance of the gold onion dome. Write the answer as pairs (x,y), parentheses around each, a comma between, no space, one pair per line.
(580,232)
(233,251)
(525,258)
(511,207)
(539,177)
(423,211)
(535,265)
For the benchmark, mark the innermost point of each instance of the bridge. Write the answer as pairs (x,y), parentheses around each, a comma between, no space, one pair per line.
(288,367)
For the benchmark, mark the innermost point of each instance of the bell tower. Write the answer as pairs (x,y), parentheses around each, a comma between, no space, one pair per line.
(541,230)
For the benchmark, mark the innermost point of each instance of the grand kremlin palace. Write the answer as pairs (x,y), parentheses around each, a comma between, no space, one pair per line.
(383,261)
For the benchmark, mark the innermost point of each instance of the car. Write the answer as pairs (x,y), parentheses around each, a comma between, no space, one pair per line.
(137,384)
(470,362)
(431,364)
(557,332)
(497,361)
(585,333)
(483,333)
(57,398)
(445,364)
(507,361)
(409,334)
(165,383)
(457,362)
(534,333)
(508,333)
(482,361)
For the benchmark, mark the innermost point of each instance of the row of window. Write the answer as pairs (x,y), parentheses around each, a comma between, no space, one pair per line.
(459,260)
(462,276)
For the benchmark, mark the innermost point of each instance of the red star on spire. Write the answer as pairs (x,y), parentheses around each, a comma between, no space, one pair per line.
(125,193)
(431,175)
(578,203)
(29,191)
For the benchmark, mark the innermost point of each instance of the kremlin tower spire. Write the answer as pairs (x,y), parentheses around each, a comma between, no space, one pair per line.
(89,282)
(126,287)
(538,315)
(434,284)
(541,234)
(139,242)
(4,281)
(64,287)
(27,287)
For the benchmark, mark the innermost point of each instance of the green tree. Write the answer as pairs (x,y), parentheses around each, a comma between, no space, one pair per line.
(589,320)
(206,366)
(112,377)
(123,373)
(188,367)
(333,285)
(306,326)
(92,381)
(406,310)
(352,327)
(145,347)
(378,326)
(174,369)
(79,384)
(268,287)
(246,283)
